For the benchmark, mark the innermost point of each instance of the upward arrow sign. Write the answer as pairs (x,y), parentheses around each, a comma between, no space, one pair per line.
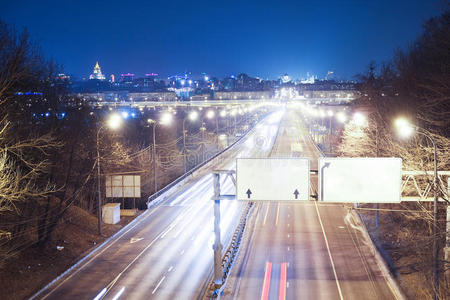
(296,192)
(248,192)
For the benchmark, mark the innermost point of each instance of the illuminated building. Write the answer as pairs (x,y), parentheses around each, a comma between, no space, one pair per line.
(97,73)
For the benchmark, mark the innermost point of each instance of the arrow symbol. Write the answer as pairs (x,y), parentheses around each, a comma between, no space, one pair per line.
(135,240)
(248,192)
(296,193)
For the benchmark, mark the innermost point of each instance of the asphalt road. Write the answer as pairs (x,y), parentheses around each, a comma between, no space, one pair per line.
(303,250)
(167,253)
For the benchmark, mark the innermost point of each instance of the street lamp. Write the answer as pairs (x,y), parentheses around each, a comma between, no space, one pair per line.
(113,122)
(330,118)
(359,119)
(192,116)
(405,129)
(341,117)
(203,129)
(165,120)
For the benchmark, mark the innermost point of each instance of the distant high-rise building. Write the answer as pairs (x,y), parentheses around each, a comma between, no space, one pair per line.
(113,78)
(97,73)
(128,77)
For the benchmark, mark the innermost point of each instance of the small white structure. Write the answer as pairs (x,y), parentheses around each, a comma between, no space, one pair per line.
(111,213)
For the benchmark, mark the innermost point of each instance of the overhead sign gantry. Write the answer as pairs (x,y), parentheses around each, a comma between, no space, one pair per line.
(272,179)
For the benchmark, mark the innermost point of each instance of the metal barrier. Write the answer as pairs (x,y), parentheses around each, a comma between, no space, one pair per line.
(154,196)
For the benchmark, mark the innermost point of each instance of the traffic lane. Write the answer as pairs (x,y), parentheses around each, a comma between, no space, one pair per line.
(93,275)
(83,283)
(356,266)
(311,275)
(182,257)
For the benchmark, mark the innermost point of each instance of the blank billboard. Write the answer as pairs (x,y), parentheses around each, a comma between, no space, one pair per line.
(272,179)
(123,186)
(360,180)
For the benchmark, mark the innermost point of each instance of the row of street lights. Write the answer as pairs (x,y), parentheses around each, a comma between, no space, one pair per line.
(405,129)
(115,120)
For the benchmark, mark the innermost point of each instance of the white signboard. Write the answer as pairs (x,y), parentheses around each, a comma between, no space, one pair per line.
(123,186)
(360,180)
(272,179)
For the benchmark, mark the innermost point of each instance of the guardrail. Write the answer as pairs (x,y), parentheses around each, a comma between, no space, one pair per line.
(154,196)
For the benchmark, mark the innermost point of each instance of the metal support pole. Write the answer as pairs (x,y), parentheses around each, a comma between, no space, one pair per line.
(184,148)
(435,228)
(377,212)
(217,247)
(154,157)
(217,128)
(99,200)
(447,238)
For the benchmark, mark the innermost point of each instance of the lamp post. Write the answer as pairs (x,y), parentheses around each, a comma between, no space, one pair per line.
(203,129)
(192,116)
(330,118)
(114,122)
(166,119)
(406,129)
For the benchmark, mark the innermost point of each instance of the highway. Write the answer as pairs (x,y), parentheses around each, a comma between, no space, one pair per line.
(304,250)
(166,253)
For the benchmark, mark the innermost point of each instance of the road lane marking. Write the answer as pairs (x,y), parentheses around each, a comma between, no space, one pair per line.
(170,269)
(266,284)
(119,293)
(135,240)
(329,253)
(100,295)
(159,283)
(278,213)
(182,252)
(283,275)
(267,212)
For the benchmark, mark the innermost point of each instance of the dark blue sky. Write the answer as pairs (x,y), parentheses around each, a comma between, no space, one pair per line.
(261,38)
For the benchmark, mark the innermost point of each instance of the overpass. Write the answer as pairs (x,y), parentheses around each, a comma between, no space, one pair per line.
(220,103)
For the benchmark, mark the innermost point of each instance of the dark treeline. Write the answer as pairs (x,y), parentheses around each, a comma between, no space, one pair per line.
(414,85)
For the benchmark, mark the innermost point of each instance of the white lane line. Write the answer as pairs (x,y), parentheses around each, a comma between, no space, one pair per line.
(159,283)
(119,293)
(278,213)
(100,295)
(182,252)
(267,212)
(329,253)
(170,269)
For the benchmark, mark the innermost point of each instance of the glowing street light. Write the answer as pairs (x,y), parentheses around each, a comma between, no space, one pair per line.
(341,117)
(166,119)
(210,114)
(359,119)
(405,129)
(193,115)
(113,122)
(223,113)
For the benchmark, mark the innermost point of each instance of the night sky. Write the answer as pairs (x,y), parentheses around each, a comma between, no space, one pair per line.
(261,38)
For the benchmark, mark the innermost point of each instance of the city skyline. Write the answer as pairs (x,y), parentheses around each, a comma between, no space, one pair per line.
(263,39)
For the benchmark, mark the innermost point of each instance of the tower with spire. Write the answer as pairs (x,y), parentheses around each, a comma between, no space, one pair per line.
(97,73)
